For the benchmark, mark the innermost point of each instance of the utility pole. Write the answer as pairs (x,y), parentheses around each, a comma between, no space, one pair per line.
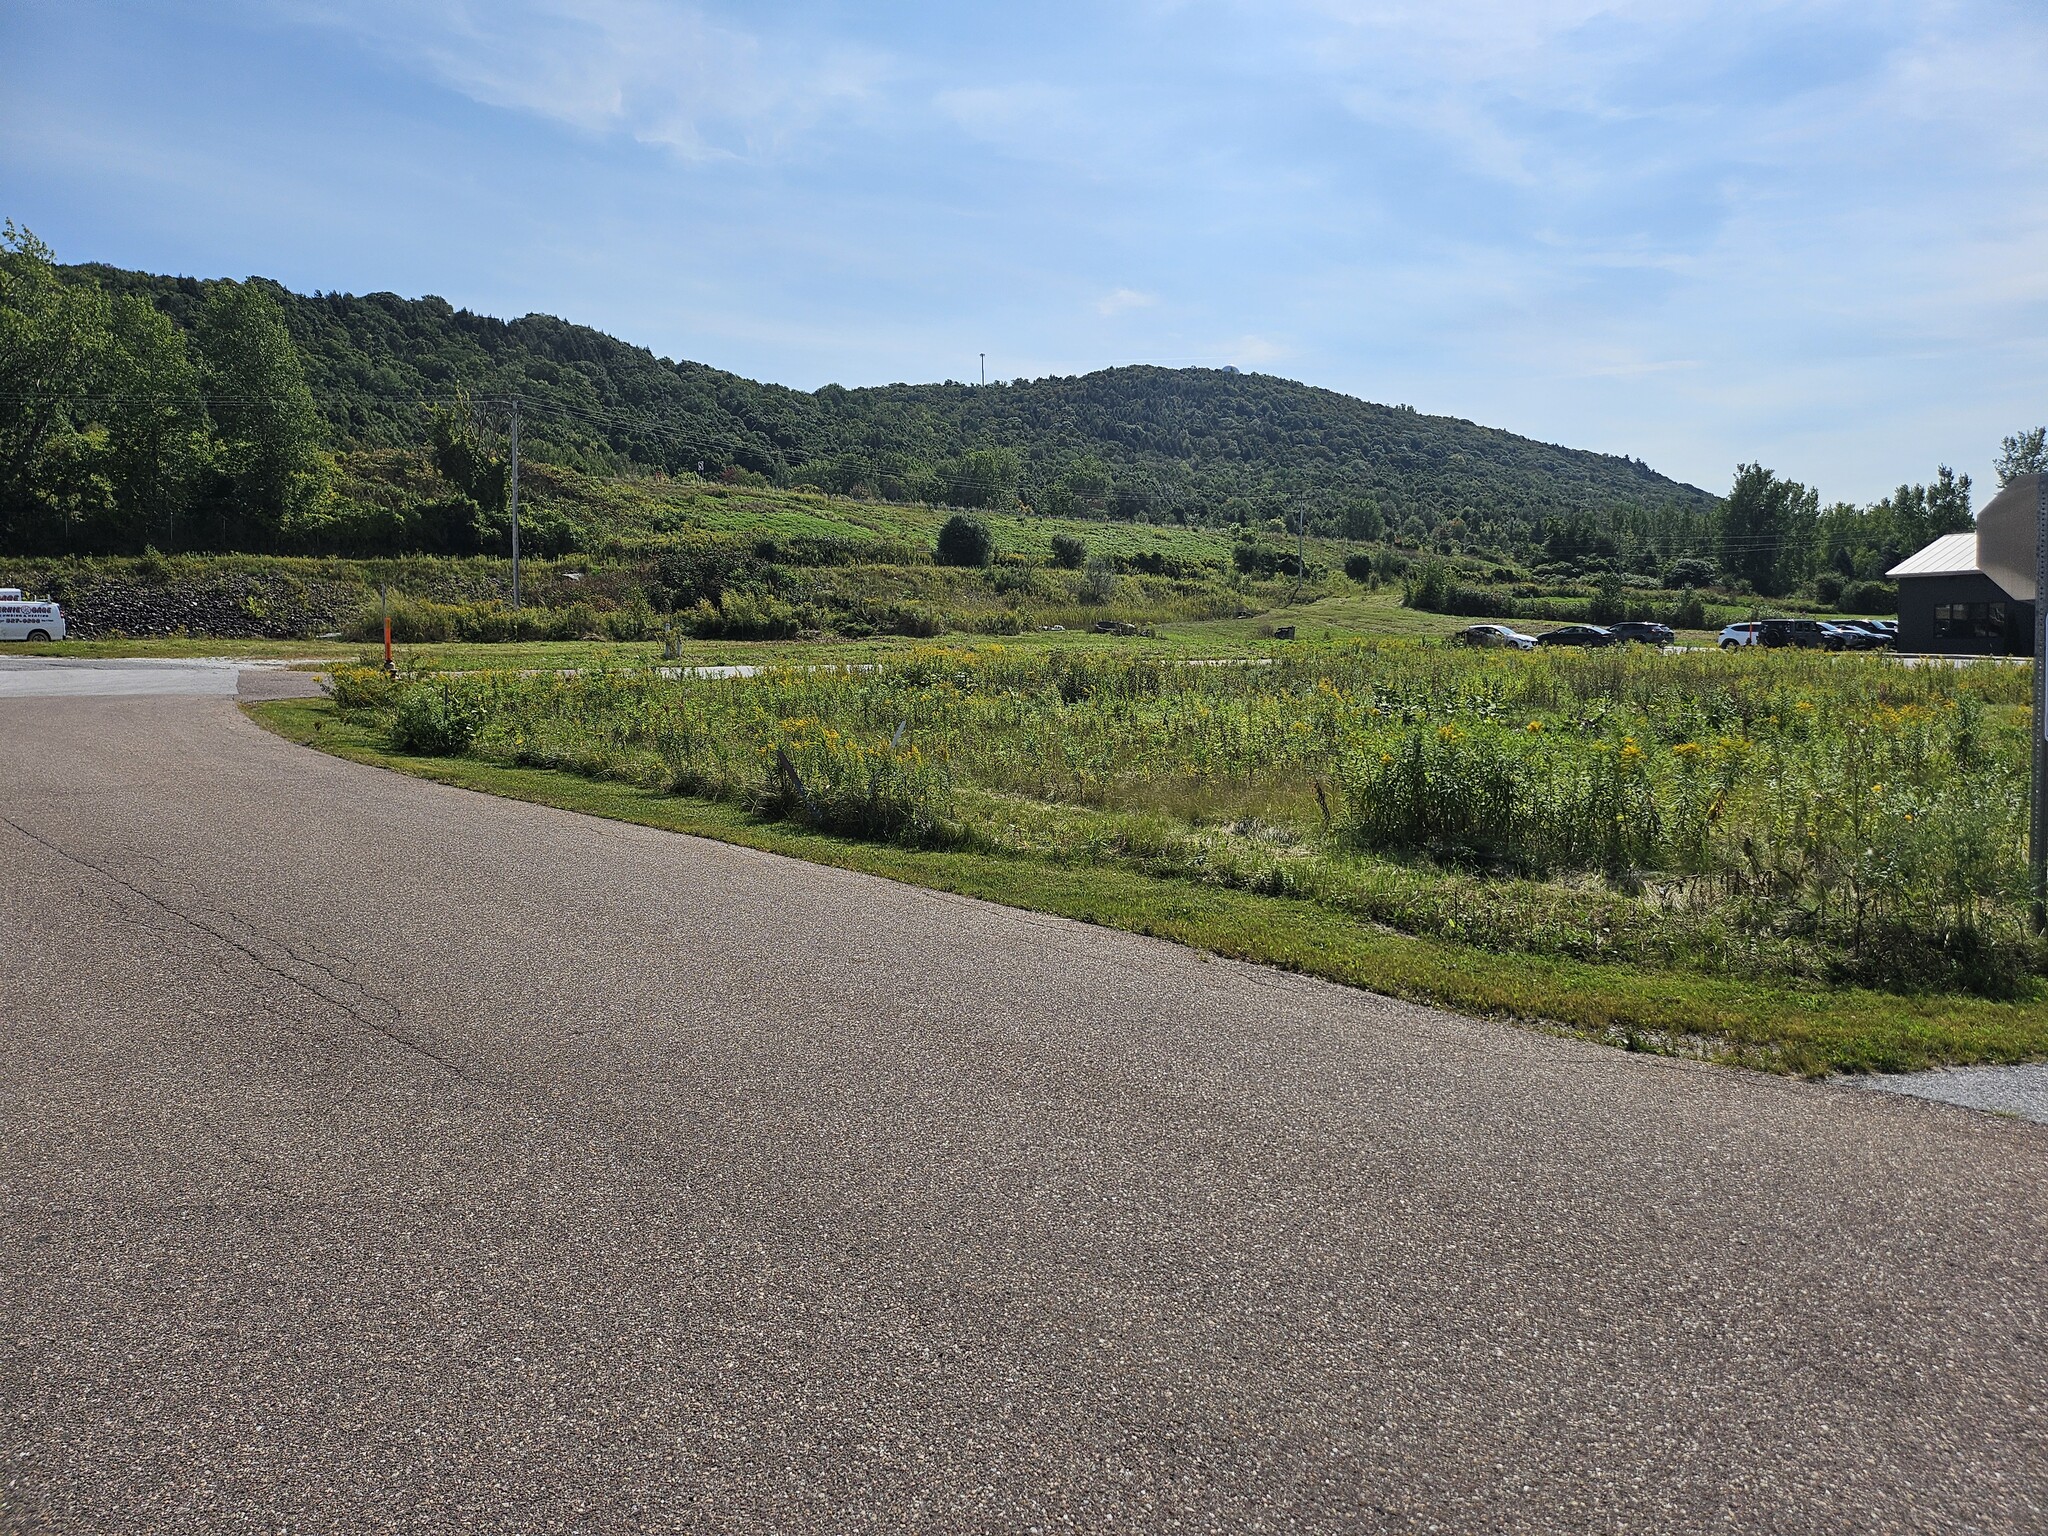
(984,367)
(1300,555)
(512,500)
(2037,834)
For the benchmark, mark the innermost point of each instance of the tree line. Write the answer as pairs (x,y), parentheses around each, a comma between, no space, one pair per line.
(118,430)
(1197,446)
(1774,536)
(142,410)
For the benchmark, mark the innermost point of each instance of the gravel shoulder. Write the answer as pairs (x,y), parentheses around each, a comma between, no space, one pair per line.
(2016,1090)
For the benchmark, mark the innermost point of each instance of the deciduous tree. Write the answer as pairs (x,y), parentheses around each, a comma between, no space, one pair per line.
(270,430)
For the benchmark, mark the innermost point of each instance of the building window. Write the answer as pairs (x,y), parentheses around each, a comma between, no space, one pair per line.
(1969,621)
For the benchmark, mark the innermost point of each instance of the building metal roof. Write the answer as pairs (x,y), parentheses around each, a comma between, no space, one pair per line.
(1953,554)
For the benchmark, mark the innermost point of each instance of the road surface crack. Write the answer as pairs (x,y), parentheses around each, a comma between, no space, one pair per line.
(263,961)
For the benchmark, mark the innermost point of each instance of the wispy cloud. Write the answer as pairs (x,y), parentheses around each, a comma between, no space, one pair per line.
(1258,349)
(1812,231)
(667,74)
(1120,300)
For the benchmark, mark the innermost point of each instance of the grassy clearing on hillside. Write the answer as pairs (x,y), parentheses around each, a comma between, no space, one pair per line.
(714,562)
(1739,1019)
(1786,821)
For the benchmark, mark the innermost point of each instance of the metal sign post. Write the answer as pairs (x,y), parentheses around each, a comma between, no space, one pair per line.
(2037,833)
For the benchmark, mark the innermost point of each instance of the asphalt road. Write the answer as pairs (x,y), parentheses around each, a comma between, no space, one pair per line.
(375,1156)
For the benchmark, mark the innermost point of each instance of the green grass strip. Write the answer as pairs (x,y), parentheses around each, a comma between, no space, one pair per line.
(1808,1031)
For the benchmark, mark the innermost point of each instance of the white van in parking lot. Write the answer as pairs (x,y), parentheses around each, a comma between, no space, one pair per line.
(28,621)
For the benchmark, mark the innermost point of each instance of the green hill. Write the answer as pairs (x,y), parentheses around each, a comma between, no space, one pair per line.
(1201,446)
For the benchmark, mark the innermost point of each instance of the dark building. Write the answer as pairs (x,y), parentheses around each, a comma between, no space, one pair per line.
(1947,605)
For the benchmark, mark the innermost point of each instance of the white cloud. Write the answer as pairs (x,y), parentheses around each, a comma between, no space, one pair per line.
(667,74)
(1120,300)
(1258,349)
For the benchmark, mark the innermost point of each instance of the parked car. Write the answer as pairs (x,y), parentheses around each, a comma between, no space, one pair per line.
(1801,634)
(1577,634)
(1494,635)
(1861,635)
(1741,634)
(1643,632)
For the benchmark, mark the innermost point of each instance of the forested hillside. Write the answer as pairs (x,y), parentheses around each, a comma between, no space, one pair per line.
(139,411)
(1192,445)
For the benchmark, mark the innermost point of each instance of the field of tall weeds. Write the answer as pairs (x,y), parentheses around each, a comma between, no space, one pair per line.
(1805,816)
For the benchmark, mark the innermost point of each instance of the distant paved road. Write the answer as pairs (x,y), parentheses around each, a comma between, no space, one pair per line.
(58,677)
(376,1156)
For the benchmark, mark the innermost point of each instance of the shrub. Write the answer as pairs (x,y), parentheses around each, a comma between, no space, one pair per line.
(1358,566)
(438,719)
(1608,606)
(354,688)
(1870,597)
(699,568)
(1689,612)
(914,619)
(1098,584)
(1483,795)
(744,615)
(1429,587)
(635,621)
(965,541)
(823,778)
(1252,558)
(1069,553)
(1691,572)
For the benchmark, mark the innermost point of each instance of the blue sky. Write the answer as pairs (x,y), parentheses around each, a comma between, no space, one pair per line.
(1696,231)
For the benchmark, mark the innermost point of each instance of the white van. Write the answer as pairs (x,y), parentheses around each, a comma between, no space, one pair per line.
(28,621)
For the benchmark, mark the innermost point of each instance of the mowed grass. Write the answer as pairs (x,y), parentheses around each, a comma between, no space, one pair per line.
(1231,809)
(1334,609)
(188,648)
(1238,639)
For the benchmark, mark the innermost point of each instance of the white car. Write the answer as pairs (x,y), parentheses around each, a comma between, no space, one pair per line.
(1496,634)
(1741,634)
(21,620)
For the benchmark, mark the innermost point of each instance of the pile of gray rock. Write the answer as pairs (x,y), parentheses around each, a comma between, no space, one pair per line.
(219,605)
